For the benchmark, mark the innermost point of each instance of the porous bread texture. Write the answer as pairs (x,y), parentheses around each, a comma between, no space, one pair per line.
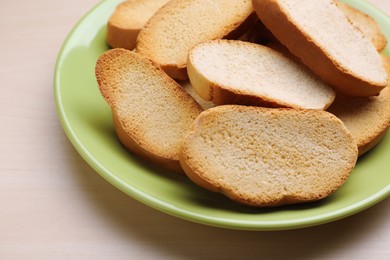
(181,24)
(237,72)
(366,24)
(367,118)
(151,111)
(127,21)
(322,37)
(268,157)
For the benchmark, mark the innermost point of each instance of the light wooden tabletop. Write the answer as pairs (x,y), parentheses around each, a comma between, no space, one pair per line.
(54,206)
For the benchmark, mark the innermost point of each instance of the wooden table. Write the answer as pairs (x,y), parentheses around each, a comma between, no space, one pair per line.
(54,206)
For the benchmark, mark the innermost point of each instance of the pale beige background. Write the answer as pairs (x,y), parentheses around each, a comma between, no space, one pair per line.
(54,206)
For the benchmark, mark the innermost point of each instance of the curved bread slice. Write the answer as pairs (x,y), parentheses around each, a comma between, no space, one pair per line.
(236,72)
(366,24)
(127,21)
(322,37)
(181,24)
(362,21)
(151,111)
(268,157)
(367,118)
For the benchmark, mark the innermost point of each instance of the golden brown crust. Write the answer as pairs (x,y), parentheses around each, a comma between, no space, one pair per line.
(191,172)
(311,54)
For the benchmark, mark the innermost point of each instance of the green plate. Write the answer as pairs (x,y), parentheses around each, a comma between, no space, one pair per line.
(87,121)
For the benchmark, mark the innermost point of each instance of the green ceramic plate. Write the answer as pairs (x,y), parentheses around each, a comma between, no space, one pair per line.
(86,119)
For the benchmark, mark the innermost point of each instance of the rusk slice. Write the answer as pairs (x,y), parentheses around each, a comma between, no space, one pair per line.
(127,21)
(151,111)
(362,21)
(322,37)
(367,118)
(237,72)
(181,24)
(267,157)
(366,24)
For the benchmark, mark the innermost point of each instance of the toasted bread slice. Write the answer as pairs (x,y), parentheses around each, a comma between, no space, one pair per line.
(267,157)
(151,111)
(362,21)
(181,24)
(237,72)
(322,37)
(366,24)
(127,21)
(367,118)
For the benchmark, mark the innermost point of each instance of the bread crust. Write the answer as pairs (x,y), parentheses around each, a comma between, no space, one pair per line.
(310,53)
(221,92)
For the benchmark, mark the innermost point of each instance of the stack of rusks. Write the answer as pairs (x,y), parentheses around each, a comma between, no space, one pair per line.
(269,102)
